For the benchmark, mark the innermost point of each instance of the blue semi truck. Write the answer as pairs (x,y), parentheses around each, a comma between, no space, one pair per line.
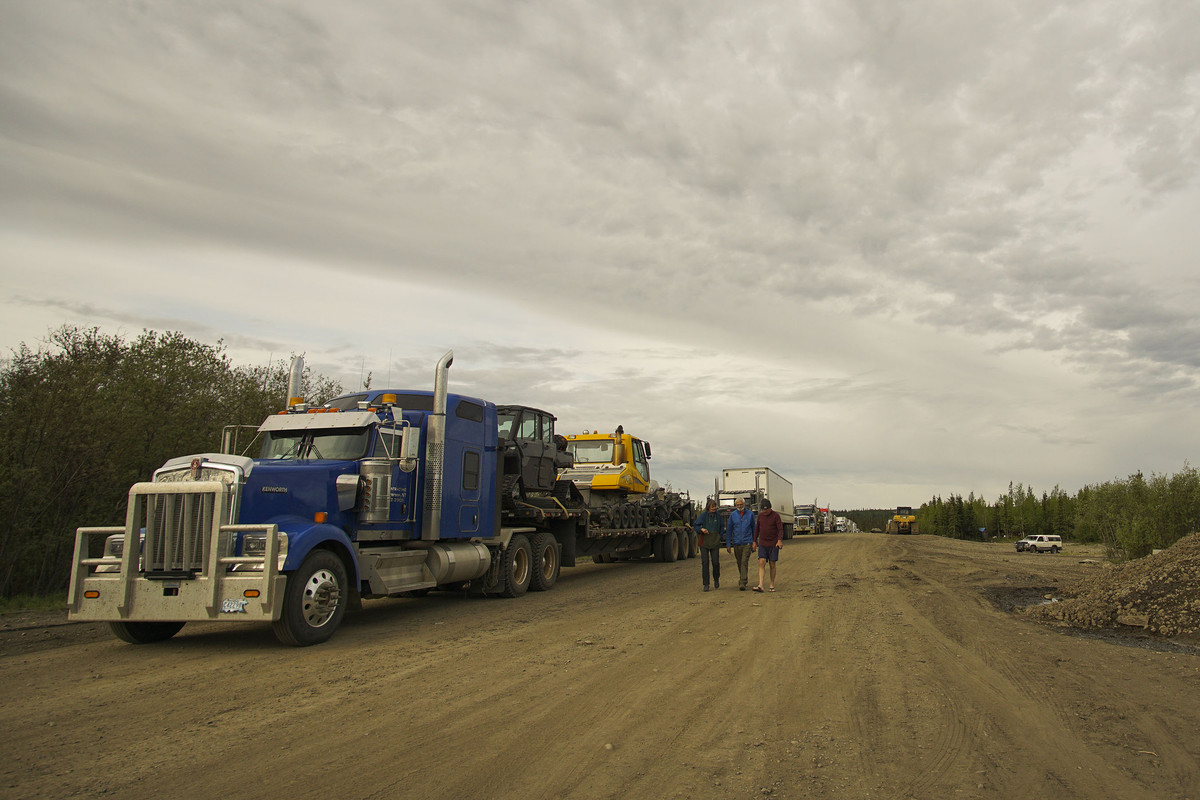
(387,493)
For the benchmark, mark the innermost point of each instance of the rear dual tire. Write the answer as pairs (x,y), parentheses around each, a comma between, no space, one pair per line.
(666,548)
(516,567)
(546,563)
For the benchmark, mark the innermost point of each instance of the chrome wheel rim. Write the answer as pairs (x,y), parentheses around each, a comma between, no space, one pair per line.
(321,595)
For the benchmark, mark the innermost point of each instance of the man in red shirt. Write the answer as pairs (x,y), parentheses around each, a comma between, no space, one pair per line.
(768,538)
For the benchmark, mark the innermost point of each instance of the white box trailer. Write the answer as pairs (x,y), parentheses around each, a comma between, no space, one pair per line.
(755,484)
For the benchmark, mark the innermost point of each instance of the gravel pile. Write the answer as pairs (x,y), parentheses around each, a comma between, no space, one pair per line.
(1159,593)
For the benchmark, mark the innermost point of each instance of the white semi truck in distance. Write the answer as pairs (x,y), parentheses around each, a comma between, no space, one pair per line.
(755,484)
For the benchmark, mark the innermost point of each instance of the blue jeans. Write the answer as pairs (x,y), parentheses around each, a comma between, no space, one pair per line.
(715,555)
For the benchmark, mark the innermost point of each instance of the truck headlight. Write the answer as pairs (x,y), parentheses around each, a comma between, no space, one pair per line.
(255,545)
(114,548)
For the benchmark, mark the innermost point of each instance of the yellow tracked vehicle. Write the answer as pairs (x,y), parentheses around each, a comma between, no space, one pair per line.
(904,521)
(612,473)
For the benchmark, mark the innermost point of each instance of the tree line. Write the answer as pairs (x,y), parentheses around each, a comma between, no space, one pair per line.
(86,415)
(1131,517)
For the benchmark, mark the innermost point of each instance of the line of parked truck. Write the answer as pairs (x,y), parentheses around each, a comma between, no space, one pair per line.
(755,484)
(387,493)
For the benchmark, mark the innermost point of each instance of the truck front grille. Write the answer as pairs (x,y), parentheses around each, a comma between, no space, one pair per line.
(179,523)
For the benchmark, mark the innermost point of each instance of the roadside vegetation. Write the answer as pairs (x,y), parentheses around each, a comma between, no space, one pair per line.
(86,415)
(1131,517)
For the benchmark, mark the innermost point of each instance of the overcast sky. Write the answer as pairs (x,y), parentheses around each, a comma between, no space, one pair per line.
(890,250)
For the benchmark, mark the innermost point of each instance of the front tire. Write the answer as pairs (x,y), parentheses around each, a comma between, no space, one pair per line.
(546,563)
(314,601)
(145,632)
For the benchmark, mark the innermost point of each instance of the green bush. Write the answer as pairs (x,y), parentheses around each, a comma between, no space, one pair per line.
(88,415)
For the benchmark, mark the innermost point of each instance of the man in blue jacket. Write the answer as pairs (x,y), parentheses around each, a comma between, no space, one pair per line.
(739,539)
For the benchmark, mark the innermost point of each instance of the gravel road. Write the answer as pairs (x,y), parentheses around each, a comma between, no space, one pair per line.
(884,667)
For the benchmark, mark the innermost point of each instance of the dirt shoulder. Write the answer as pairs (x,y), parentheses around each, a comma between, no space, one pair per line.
(884,666)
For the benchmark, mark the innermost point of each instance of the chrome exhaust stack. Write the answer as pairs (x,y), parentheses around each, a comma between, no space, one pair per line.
(295,382)
(435,451)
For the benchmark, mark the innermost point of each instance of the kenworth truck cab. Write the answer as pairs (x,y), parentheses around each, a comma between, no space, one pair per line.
(386,493)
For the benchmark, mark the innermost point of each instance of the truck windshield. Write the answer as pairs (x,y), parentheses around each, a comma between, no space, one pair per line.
(339,444)
(597,452)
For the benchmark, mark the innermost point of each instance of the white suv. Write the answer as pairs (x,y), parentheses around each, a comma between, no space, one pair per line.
(1040,544)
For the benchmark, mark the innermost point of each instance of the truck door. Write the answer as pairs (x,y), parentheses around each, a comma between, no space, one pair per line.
(387,445)
(547,451)
(639,460)
(535,439)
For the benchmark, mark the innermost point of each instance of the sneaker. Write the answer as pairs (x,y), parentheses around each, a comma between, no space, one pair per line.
(716,584)
(706,588)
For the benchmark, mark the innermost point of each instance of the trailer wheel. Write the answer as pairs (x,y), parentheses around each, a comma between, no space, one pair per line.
(314,601)
(666,548)
(546,563)
(681,545)
(693,544)
(145,632)
(517,566)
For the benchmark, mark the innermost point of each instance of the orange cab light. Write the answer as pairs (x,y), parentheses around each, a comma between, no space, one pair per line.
(250,593)
(91,594)
(320,516)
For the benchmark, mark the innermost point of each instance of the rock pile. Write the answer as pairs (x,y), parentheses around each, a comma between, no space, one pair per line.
(1160,593)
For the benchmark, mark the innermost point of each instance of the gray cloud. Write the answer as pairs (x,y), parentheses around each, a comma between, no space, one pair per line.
(670,214)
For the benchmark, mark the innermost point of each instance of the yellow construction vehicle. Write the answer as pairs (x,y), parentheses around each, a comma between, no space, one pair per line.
(612,473)
(904,521)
